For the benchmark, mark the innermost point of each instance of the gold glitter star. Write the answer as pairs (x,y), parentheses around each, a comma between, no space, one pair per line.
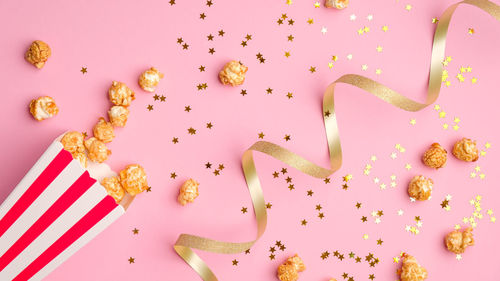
(269,205)
(385,28)
(371,276)
(208,165)
(84,134)
(303,222)
(135,231)
(284,171)
(156,97)
(269,91)
(187,108)
(191,131)
(83,70)
(172,2)
(310,21)
(358,205)
(185,46)
(310,193)
(435,20)
(201,68)
(175,140)
(408,7)
(413,121)
(317,4)
(364,219)
(221,32)
(162,98)
(209,3)
(271,256)
(379,241)
(131,260)
(261,135)
(248,37)
(470,31)
(209,125)
(243,210)
(148,189)
(318,207)
(211,51)
(321,215)
(202,16)
(287,54)
(287,137)
(291,22)
(291,187)
(244,43)
(326,180)
(290,38)
(280,21)
(247,251)
(235,262)
(150,107)
(243,92)
(379,49)
(312,69)
(216,172)
(179,40)
(173,175)
(221,167)
(325,255)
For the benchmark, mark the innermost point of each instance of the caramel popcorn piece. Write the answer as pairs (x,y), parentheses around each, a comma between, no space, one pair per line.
(411,270)
(97,150)
(337,4)
(133,179)
(118,115)
(120,94)
(435,156)
(149,79)
(233,73)
(38,53)
(466,150)
(456,241)
(188,192)
(73,142)
(43,108)
(103,131)
(420,188)
(114,188)
(289,270)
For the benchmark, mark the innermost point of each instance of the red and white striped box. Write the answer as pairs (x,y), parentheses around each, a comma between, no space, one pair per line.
(56,209)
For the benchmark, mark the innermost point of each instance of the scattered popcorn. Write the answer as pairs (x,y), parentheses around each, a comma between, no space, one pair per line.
(118,115)
(466,150)
(289,270)
(149,79)
(188,192)
(103,131)
(114,188)
(411,270)
(120,94)
(233,73)
(435,156)
(38,53)
(73,142)
(133,179)
(97,150)
(456,241)
(337,4)
(420,188)
(43,108)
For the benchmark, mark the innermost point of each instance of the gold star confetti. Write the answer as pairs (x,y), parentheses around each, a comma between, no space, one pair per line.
(135,231)
(261,135)
(84,134)
(408,167)
(408,7)
(269,205)
(211,51)
(172,2)
(209,125)
(202,16)
(380,242)
(303,222)
(209,3)
(326,180)
(385,28)
(365,236)
(162,98)
(173,175)
(287,137)
(131,260)
(269,91)
(185,46)
(413,121)
(191,131)
(470,31)
(150,107)
(221,32)
(310,21)
(310,193)
(83,70)
(187,108)
(290,38)
(317,4)
(243,210)
(235,262)
(358,205)
(435,20)
(289,95)
(321,215)
(175,140)
(287,54)
(379,49)
(243,92)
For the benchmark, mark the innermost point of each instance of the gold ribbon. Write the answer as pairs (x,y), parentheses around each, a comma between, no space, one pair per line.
(185,243)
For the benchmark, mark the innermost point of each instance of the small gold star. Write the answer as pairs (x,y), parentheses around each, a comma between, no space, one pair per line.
(287,137)
(150,107)
(202,16)
(156,97)
(247,251)
(269,205)
(326,180)
(191,131)
(321,215)
(211,51)
(84,134)
(221,167)
(364,219)
(83,70)
(235,262)
(280,21)
(261,135)
(210,37)
(201,68)
(312,69)
(318,207)
(209,125)
(173,175)
(310,193)
(135,231)
(271,256)
(131,260)
(291,187)
(185,46)
(371,276)
(208,165)
(244,210)
(325,255)
(269,91)
(162,98)
(187,108)
(175,140)
(209,3)
(216,172)
(303,222)
(290,38)
(179,40)
(290,22)
(310,21)
(248,37)
(379,242)
(172,2)
(385,28)
(244,43)
(471,31)
(148,189)
(221,32)
(358,205)
(243,92)
(284,171)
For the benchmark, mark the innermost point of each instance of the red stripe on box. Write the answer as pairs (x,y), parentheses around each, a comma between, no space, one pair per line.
(82,184)
(97,213)
(55,167)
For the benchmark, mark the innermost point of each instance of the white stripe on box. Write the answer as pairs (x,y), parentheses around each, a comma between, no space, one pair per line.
(60,184)
(31,176)
(84,239)
(71,216)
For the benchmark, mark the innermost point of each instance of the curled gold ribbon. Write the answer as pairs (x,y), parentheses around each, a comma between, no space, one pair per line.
(185,243)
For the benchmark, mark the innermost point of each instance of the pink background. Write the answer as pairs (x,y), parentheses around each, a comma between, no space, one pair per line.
(117,40)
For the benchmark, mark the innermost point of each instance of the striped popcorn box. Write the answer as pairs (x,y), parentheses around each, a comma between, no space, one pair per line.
(56,209)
